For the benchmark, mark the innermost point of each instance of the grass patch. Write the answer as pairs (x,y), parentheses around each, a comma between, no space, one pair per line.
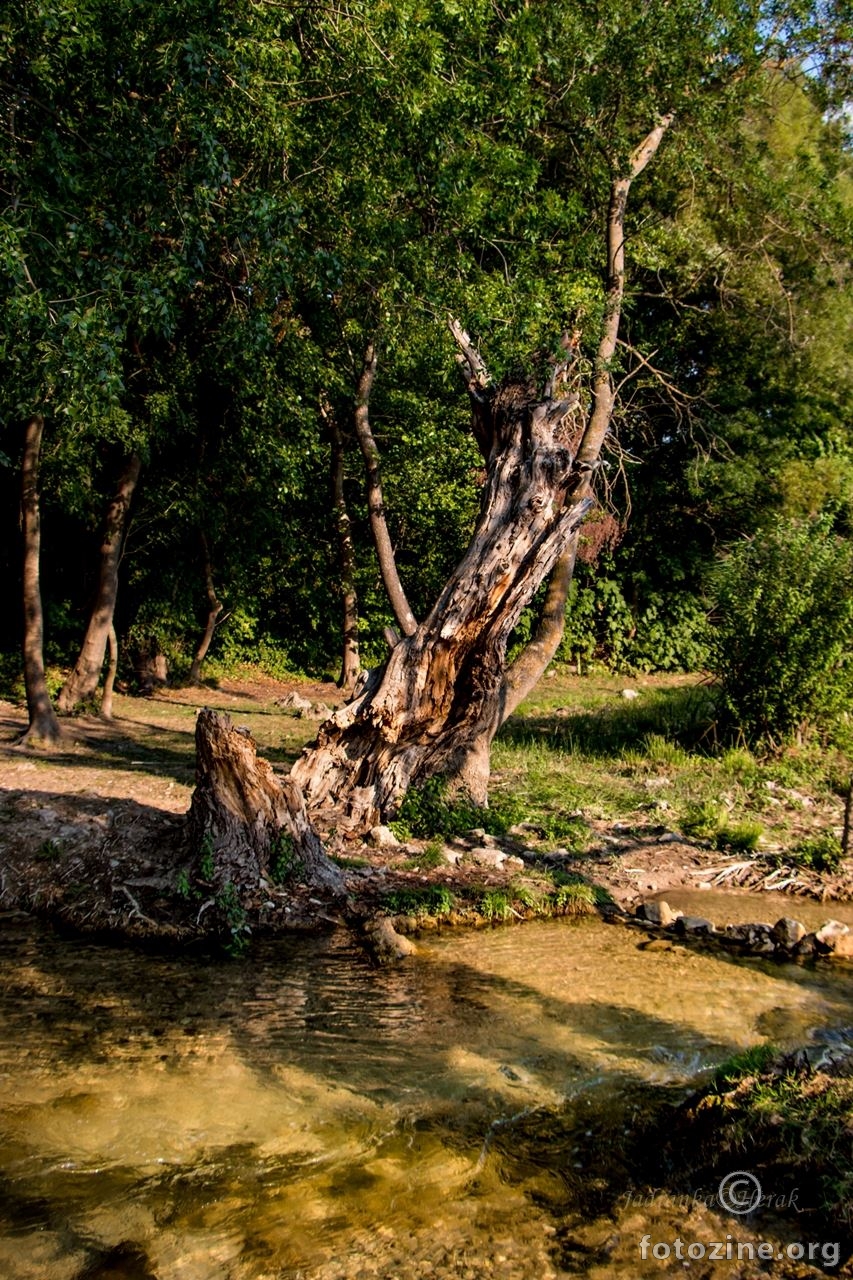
(820,853)
(433,900)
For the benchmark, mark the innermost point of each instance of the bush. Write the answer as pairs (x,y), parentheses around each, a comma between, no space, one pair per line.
(783,635)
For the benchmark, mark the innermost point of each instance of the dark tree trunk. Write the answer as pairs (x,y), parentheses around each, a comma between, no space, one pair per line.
(375,505)
(106,712)
(215,607)
(241,812)
(350,663)
(82,683)
(43,724)
(442,687)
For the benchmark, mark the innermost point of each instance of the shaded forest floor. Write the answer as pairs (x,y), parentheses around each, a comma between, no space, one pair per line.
(629,794)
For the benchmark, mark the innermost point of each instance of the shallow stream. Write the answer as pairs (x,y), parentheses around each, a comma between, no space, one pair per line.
(303,1114)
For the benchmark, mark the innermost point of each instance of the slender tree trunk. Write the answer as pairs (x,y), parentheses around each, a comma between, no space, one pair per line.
(350,663)
(106,712)
(82,683)
(375,505)
(215,607)
(43,724)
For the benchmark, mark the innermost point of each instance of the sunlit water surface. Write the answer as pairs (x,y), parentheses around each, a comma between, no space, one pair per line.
(302,1113)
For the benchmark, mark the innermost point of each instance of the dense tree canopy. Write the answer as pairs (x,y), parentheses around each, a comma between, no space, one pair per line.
(210,210)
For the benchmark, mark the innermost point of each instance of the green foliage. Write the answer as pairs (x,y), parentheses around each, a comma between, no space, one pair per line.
(434,900)
(495,906)
(236,920)
(668,633)
(821,852)
(284,859)
(783,639)
(206,867)
(430,857)
(49,851)
(430,811)
(706,820)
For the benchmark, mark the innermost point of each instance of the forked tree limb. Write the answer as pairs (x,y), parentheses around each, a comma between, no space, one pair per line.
(375,505)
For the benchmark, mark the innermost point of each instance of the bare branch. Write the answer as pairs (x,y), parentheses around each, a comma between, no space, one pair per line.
(477,377)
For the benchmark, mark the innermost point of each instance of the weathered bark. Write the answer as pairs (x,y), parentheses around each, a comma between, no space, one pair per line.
(240,812)
(106,711)
(441,689)
(82,683)
(375,504)
(350,662)
(441,697)
(472,770)
(215,607)
(43,724)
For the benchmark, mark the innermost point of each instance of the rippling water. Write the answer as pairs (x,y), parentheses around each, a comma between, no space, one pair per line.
(302,1113)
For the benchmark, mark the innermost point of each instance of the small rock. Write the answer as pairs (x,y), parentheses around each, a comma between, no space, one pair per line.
(382,838)
(512,861)
(452,856)
(386,943)
(476,833)
(488,857)
(830,935)
(807,946)
(630,694)
(669,837)
(787,932)
(694,924)
(295,701)
(660,913)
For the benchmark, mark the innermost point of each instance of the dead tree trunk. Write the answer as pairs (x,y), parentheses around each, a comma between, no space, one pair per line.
(350,662)
(442,695)
(242,815)
(215,607)
(375,505)
(43,724)
(82,683)
(442,687)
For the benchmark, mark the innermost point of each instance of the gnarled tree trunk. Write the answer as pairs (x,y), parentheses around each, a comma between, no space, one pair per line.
(43,724)
(82,683)
(442,687)
(241,812)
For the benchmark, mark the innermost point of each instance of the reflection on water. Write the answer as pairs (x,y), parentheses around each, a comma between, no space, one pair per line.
(303,1113)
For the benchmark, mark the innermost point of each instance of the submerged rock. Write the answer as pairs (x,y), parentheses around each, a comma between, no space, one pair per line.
(787,932)
(660,913)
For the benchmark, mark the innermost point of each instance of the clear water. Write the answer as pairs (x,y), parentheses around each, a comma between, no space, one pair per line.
(303,1114)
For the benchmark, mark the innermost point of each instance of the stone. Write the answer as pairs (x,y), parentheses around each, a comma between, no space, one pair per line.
(295,701)
(387,944)
(694,925)
(452,856)
(488,857)
(660,913)
(630,694)
(787,932)
(807,946)
(830,936)
(382,838)
(512,861)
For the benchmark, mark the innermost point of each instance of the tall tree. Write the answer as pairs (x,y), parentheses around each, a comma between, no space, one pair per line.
(43,724)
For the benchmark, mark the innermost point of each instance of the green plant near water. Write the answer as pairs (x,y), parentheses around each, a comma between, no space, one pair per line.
(822,852)
(206,866)
(236,920)
(433,900)
(495,906)
(284,860)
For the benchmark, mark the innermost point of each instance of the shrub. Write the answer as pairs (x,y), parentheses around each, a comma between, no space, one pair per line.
(782,643)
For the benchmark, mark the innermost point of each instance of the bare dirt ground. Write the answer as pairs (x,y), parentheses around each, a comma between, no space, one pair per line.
(91,834)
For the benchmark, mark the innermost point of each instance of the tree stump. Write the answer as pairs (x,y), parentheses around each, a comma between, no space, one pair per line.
(245,818)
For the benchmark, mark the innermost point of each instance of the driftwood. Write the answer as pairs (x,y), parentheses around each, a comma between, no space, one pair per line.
(245,818)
